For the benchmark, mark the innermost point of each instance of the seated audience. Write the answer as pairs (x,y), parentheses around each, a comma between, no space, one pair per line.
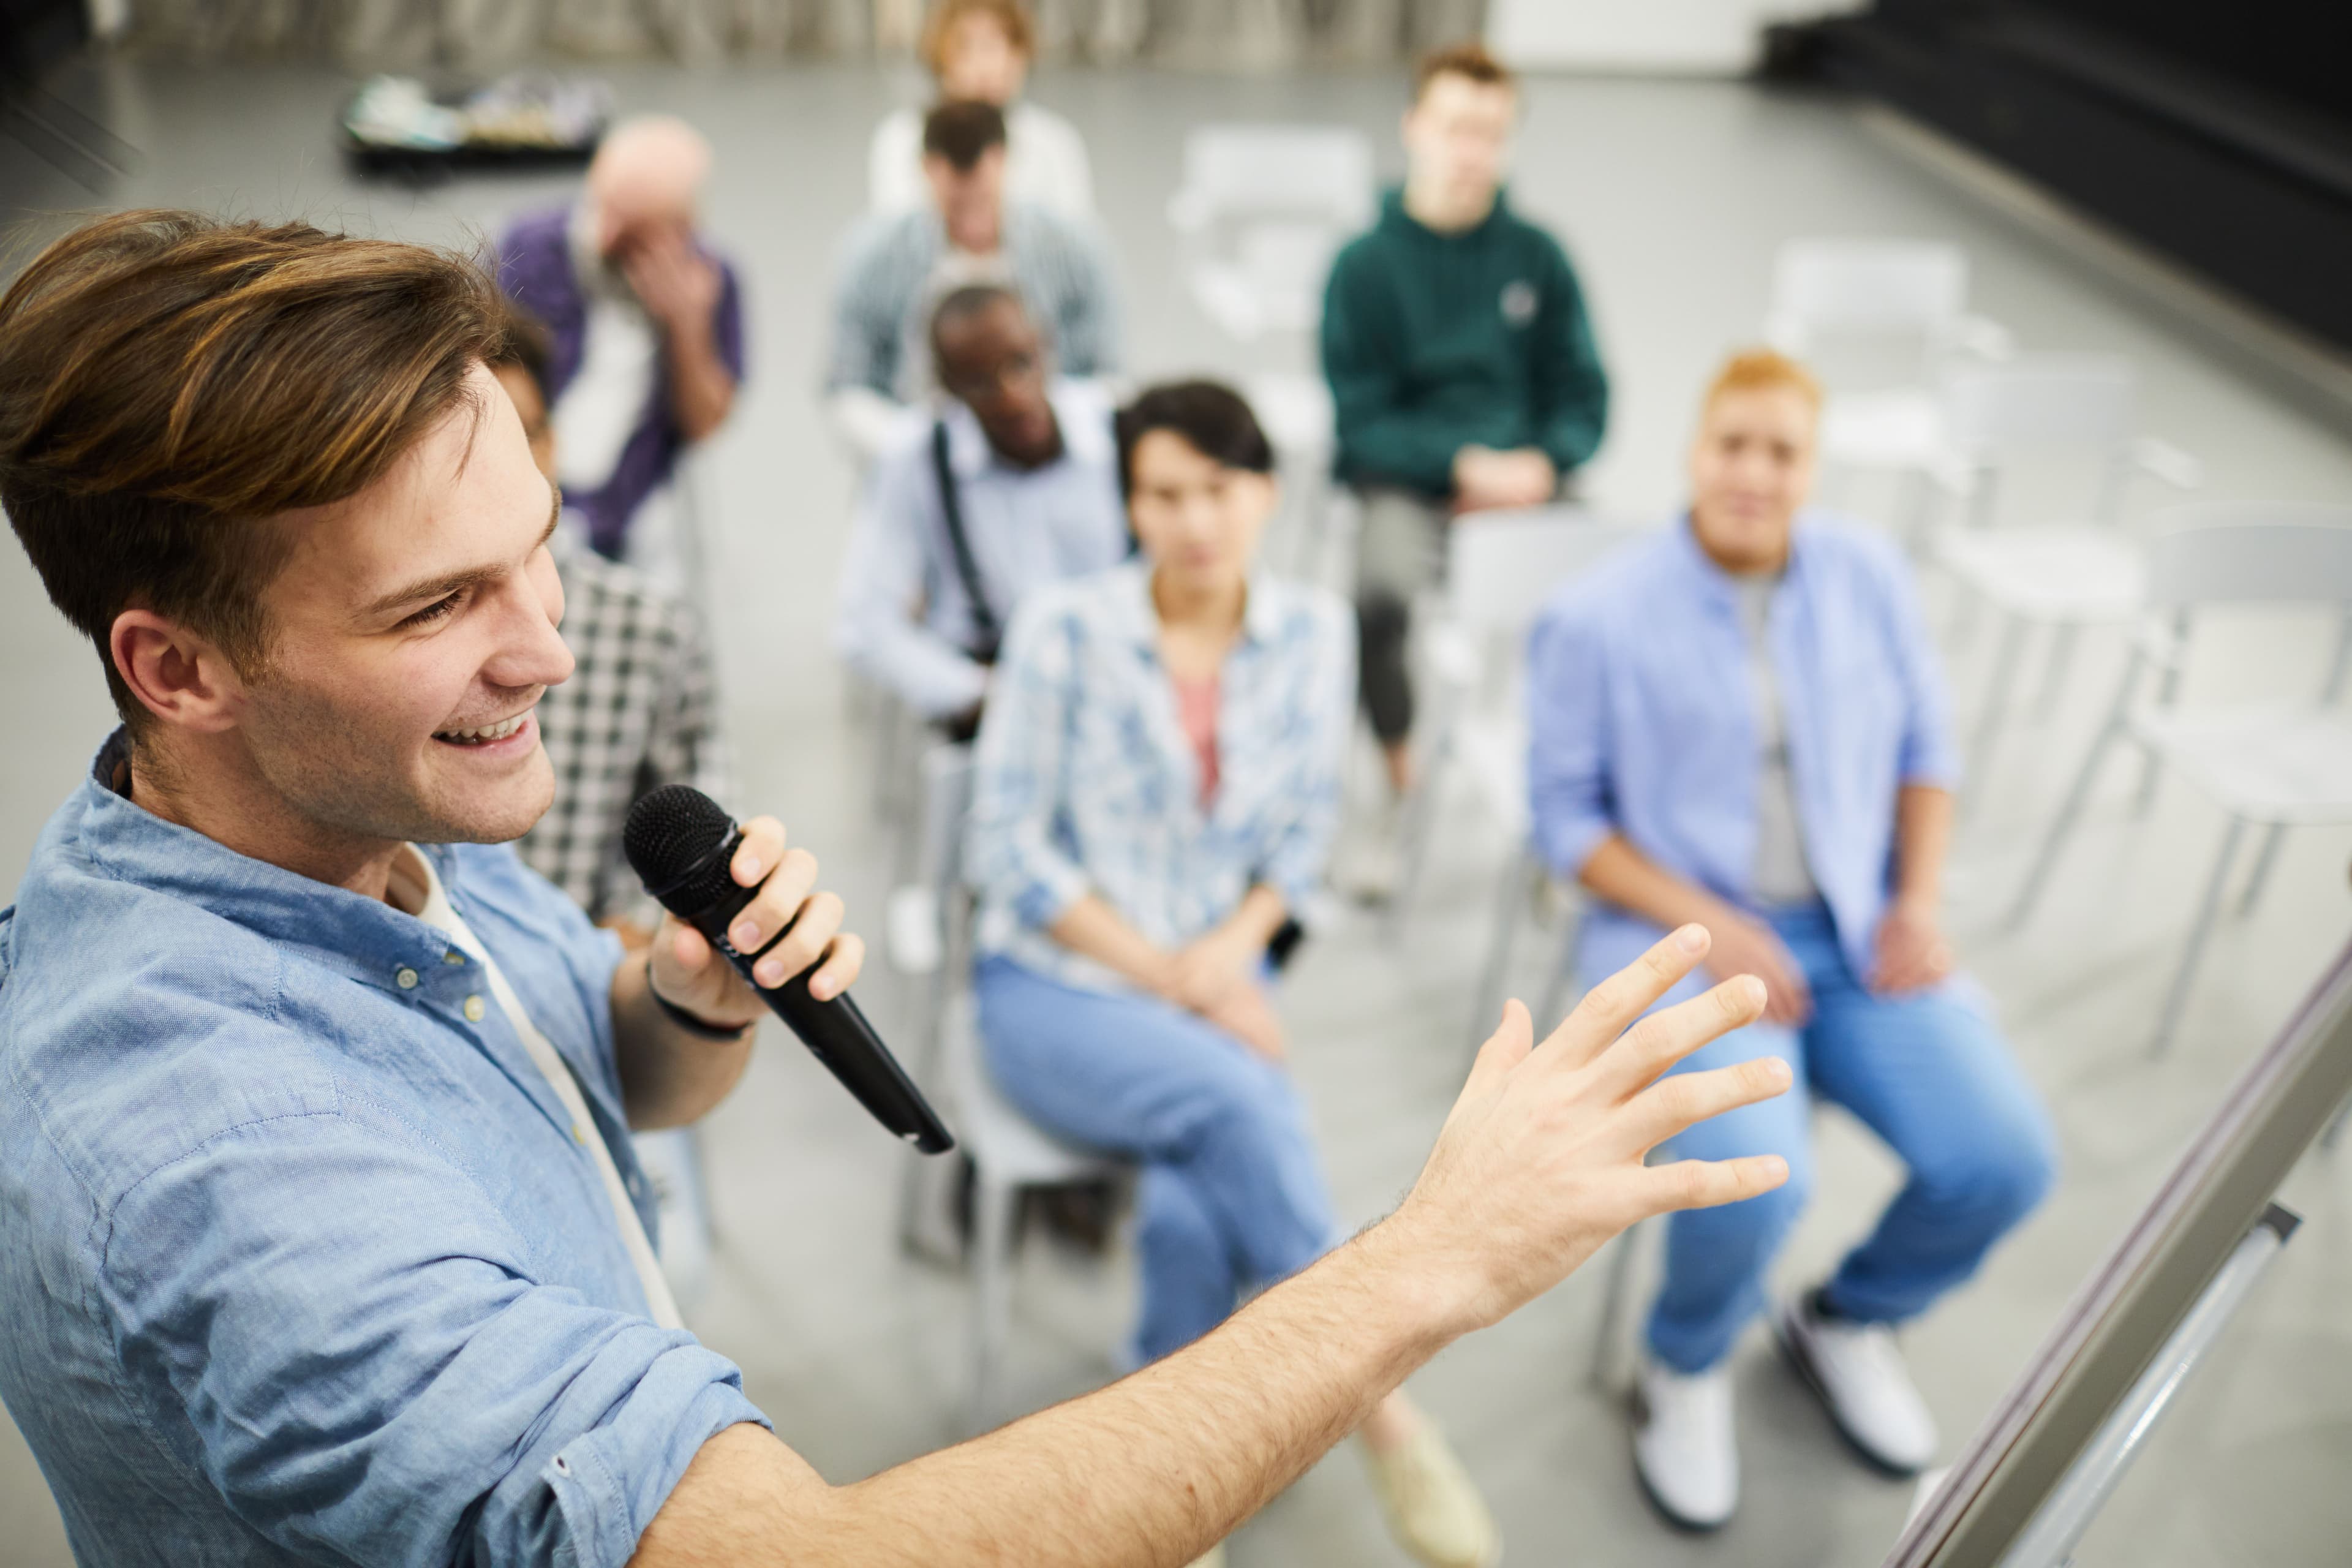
(1013,486)
(1741,722)
(1462,366)
(1158,782)
(981,51)
(646,324)
(897,267)
(641,708)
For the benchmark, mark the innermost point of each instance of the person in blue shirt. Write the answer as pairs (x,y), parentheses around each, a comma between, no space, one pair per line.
(1740,723)
(321,1238)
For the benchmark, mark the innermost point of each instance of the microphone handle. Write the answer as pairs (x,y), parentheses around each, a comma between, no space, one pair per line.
(836,1032)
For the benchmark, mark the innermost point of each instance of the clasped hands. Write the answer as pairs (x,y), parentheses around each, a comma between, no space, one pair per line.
(1215,976)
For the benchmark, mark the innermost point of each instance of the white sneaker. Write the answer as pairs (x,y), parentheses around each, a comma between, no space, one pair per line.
(1858,1370)
(1683,1449)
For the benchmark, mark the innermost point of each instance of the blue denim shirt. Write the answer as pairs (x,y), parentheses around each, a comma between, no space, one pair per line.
(298,1264)
(1642,721)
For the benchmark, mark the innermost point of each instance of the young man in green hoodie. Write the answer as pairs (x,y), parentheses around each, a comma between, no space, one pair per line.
(1460,359)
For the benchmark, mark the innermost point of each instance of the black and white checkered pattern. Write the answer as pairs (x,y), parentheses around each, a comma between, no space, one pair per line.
(639,711)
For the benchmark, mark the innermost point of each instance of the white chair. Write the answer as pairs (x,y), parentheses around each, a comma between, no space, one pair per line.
(1912,292)
(1500,568)
(1261,210)
(2276,765)
(1008,1153)
(2061,577)
(1295,410)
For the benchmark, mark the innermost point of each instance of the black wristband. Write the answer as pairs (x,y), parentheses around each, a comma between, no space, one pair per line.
(701,1028)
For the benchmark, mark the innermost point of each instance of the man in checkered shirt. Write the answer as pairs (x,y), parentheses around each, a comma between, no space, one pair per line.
(641,708)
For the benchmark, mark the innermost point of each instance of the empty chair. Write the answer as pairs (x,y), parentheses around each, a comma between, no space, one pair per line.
(2276,765)
(1907,291)
(1261,210)
(2061,575)
(1500,568)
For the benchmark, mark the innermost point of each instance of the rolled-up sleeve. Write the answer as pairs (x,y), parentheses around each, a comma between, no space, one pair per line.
(1570,802)
(1301,849)
(391,1381)
(1011,857)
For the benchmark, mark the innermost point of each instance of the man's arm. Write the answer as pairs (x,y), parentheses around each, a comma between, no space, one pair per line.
(1540,1162)
(1378,437)
(687,292)
(671,1075)
(1571,388)
(877,627)
(1912,950)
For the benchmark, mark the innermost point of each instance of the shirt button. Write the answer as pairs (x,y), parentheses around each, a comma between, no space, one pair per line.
(474,1009)
(579,1133)
(406,978)
(453,957)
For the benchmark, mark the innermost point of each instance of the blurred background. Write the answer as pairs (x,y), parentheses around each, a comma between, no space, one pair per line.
(2163,185)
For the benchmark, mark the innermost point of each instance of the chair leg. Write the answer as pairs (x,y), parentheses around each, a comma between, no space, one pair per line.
(2168,1023)
(991,1276)
(2053,671)
(1508,905)
(2264,858)
(1616,1306)
(1418,826)
(2078,795)
(1996,701)
(2151,767)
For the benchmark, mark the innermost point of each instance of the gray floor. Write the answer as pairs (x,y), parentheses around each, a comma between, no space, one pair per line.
(1672,197)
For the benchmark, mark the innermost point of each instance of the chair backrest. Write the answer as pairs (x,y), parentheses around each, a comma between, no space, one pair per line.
(1249,171)
(1501,566)
(2275,552)
(1865,286)
(2041,401)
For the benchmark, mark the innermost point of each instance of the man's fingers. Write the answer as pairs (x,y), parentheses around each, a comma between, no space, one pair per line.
(1705,1183)
(1662,1038)
(762,847)
(1672,1104)
(818,923)
(688,948)
(840,968)
(1506,1049)
(1616,1002)
(778,905)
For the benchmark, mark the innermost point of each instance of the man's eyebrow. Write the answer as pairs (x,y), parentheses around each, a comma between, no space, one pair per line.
(470,577)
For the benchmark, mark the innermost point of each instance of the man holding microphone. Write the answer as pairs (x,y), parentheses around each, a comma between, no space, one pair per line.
(320,1240)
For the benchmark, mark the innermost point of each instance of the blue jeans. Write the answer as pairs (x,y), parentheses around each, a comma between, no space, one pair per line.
(1232,1195)
(1928,1072)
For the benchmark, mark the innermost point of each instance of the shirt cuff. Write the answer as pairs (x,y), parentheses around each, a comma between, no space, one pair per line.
(610,1481)
(1568,844)
(1049,893)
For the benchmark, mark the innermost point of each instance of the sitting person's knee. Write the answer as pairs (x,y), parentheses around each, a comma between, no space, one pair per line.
(2004,1170)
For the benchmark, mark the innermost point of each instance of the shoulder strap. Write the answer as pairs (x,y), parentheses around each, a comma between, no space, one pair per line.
(987,631)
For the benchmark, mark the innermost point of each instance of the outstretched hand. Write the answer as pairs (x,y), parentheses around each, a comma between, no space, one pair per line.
(1542,1160)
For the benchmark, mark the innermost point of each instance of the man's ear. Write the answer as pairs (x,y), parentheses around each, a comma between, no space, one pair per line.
(183,677)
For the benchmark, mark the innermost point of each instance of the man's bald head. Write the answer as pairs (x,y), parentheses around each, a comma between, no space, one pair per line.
(647,173)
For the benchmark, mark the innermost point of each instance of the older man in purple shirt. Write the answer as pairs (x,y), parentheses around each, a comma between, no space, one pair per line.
(648,323)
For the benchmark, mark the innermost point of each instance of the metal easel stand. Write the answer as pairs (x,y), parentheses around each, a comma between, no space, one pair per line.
(2049,1541)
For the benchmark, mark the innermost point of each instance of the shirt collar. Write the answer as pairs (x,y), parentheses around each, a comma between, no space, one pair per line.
(1720,586)
(1078,410)
(1130,593)
(364,938)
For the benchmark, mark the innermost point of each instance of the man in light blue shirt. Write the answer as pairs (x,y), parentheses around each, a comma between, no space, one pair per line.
(1741,723)
(1030,470)
(318,1239)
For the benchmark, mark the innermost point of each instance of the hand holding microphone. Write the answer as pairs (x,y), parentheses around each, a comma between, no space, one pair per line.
(737,892)
(689,973)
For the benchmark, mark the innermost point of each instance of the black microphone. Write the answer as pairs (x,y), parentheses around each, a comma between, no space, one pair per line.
(679,842)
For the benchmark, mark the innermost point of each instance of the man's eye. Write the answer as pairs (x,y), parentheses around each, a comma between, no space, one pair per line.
(440,609)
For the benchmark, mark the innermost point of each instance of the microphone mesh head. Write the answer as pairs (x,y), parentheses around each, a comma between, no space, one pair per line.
(669,829)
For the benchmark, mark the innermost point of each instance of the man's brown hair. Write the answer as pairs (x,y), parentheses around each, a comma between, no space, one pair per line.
(170,382)
(1465,60)
(962,131)
(1763,370)
(1010,14)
